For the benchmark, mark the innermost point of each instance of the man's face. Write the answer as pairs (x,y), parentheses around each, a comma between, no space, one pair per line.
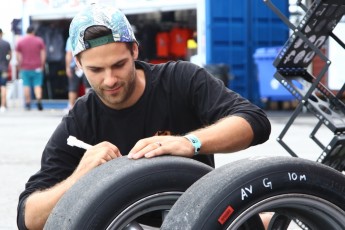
(110,70)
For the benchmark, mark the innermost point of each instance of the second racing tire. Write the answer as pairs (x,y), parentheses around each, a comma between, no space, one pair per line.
(294,191)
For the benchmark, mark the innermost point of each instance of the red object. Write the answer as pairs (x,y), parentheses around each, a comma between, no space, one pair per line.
(225,215)
(159,61)
(81,91)
(178,41)
(162,44)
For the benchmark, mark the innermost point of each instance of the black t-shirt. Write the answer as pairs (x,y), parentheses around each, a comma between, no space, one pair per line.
(5,48)
(179,97)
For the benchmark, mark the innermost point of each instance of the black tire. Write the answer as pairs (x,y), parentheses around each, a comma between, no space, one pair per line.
(122,192)
(300,190)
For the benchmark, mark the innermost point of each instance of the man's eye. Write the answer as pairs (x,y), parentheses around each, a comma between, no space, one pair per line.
(95,70)
(119,65)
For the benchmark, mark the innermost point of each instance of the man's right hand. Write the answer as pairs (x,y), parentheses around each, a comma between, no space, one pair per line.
(40,204)
(95,156)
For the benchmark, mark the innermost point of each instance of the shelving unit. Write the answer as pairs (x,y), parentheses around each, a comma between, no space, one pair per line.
(292,63)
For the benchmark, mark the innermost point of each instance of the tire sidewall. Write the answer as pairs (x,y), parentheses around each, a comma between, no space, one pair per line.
(242,184)
(96,199)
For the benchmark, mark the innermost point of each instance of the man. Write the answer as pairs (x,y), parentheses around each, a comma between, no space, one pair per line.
(135,108)
(31,57)
(5,57)
(76,77)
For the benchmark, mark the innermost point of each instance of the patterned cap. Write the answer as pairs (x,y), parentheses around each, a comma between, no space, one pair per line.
(107,16)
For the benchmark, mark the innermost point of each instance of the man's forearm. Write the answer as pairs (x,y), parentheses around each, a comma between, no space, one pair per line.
(229,134)
(40,204)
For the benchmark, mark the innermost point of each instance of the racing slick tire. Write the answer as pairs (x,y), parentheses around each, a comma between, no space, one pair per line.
(124,193)
(294,190)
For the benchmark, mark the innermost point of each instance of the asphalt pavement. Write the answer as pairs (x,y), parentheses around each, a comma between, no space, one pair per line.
(23,135)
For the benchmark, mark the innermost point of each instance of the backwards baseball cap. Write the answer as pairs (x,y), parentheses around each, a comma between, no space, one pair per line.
(99,15)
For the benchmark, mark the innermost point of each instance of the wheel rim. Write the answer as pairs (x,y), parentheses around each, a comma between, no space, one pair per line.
(156,202)
(307,211)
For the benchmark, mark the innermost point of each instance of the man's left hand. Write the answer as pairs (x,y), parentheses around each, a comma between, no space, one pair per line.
(162,145)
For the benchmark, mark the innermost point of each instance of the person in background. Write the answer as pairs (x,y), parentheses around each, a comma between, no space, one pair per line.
(31,57)
(5,57)
(137,109)
(76,76)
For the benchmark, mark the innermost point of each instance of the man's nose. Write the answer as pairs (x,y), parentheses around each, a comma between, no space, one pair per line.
(110,78)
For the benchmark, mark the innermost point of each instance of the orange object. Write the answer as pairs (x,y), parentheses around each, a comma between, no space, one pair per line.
(178,41)
(162,44)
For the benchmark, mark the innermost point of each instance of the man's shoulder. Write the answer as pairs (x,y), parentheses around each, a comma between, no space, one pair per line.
(4,42)
(39,38)
(23,40)
(181,65)
(181,68)
(30,38)
(86,103)
(171,71)
(172,66)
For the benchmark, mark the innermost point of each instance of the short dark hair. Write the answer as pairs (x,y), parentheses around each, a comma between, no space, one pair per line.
(96,31)
(30,29)
(0,31)
(99,31)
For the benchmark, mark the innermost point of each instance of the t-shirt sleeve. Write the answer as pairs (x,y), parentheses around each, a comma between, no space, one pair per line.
(212,100)
(17,47)
(58,162)
(43,46)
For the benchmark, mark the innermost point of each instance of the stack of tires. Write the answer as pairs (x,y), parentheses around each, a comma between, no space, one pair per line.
(177,193)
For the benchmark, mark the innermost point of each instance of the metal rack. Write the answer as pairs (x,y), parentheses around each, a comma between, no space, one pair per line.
(292,72)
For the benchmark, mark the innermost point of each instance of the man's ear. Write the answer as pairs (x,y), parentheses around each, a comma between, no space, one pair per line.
(135,51)
(78,62)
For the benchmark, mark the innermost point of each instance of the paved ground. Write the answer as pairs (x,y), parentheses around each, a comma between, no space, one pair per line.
(23,135)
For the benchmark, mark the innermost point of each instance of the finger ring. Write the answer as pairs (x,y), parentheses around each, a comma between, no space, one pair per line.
(159,144)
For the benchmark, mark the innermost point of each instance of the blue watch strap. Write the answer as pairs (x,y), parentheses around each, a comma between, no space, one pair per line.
(195,142)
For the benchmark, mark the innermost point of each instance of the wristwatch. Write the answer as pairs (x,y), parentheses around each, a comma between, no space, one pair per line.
(195,142)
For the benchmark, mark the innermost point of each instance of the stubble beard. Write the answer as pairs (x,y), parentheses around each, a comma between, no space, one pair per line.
(119,100)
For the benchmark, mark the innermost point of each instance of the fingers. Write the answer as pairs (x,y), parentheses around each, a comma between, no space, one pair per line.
(111,149)
(146,148)
(106,151)
(162,145)
(97,155)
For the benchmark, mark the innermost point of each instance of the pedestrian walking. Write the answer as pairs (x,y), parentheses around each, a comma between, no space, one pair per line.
(76,76)
(5,57)
(31,57)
